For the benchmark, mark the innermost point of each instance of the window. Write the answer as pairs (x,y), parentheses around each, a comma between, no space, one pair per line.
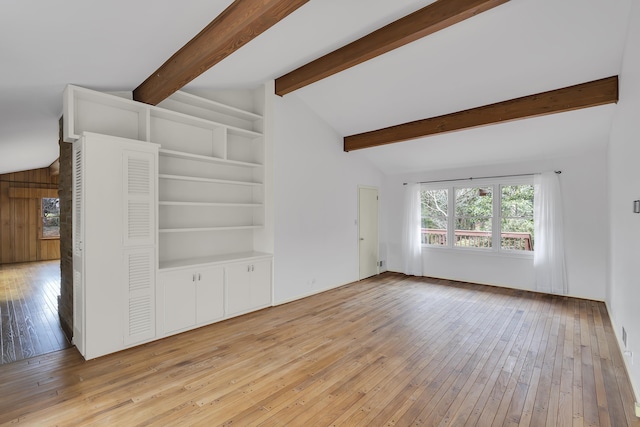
(474,216)
(435,207)
(516,220)
(50,218)
(493,216)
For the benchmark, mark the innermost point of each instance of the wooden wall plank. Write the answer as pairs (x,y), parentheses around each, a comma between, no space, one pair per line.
(32,193)
(19,230)
(6,243)
(33,213)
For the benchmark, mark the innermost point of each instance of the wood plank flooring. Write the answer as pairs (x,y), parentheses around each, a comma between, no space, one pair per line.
(386,351)
(29,323)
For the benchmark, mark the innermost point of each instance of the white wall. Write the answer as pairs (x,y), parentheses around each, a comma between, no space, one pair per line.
(583,181)
(624,188)
(315,202)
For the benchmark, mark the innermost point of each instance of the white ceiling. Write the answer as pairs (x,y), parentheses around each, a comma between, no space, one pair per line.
(519,48)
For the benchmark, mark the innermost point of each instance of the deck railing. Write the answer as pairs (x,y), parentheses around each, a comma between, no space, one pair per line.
(478,239)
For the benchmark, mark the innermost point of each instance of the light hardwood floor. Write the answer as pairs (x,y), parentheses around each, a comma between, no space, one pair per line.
(387,351)
(29,323)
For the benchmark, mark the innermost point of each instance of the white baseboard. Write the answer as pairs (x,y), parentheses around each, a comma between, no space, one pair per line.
(315,292)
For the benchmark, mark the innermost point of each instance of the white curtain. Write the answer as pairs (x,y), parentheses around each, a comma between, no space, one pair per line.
(548,257)
(411,231)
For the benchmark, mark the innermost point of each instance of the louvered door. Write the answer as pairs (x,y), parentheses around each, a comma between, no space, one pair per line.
(139,236)
(114,243)
(140,203)
(77,244)
(140,295)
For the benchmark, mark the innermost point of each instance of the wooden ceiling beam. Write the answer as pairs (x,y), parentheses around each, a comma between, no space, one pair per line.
(428,20)
(585,95)
(237,25)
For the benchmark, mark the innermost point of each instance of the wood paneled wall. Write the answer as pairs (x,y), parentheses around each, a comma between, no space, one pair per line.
(20,224)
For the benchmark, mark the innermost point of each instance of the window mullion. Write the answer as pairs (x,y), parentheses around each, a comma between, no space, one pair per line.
(452,217)
(495,221)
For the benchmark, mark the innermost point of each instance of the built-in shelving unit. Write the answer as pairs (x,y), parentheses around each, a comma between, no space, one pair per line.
(207,211)
(211,166)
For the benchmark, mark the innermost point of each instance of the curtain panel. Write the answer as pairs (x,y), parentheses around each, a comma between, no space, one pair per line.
(548,257)
(412,231)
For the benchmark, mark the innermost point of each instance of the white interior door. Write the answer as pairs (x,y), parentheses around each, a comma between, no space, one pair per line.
(368,231)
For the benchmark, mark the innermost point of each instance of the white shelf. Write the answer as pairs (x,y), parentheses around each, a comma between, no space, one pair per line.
(210,105)
(86,110)
(201,229)
(243,132)
(116,108)
(214,259)
(217,204)
(189,156)
(210,180)
(176,116)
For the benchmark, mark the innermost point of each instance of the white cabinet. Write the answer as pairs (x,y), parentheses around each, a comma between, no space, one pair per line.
(248,286)
(168,223)
(191,297)
(113,243)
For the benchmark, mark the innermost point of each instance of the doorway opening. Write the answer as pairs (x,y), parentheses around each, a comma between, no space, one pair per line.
(30,264)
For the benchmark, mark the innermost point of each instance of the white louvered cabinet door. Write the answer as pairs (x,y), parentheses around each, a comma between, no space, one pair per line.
(139,321)
(140,203)
(77,242)
(114,243)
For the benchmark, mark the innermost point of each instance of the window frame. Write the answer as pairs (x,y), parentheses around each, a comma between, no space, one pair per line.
(42,217)
(496,219)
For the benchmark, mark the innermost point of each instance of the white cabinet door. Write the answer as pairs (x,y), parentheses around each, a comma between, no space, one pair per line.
(261,284)
(139,295)
(238,288)
(192,297)
(179,294)
(209,295)
(114,271)
(248,286)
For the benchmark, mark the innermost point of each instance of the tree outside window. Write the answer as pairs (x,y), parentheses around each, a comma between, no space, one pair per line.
(435,206)
(516,221)
(50,218)
(474,215)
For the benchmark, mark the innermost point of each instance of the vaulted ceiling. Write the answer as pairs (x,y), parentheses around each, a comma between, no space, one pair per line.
(519,48)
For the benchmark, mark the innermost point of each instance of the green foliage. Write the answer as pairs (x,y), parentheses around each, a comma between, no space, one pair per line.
(517,208)
(517,201)
(474,208)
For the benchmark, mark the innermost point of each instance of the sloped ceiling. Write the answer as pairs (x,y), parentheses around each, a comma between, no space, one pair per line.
(519,48)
